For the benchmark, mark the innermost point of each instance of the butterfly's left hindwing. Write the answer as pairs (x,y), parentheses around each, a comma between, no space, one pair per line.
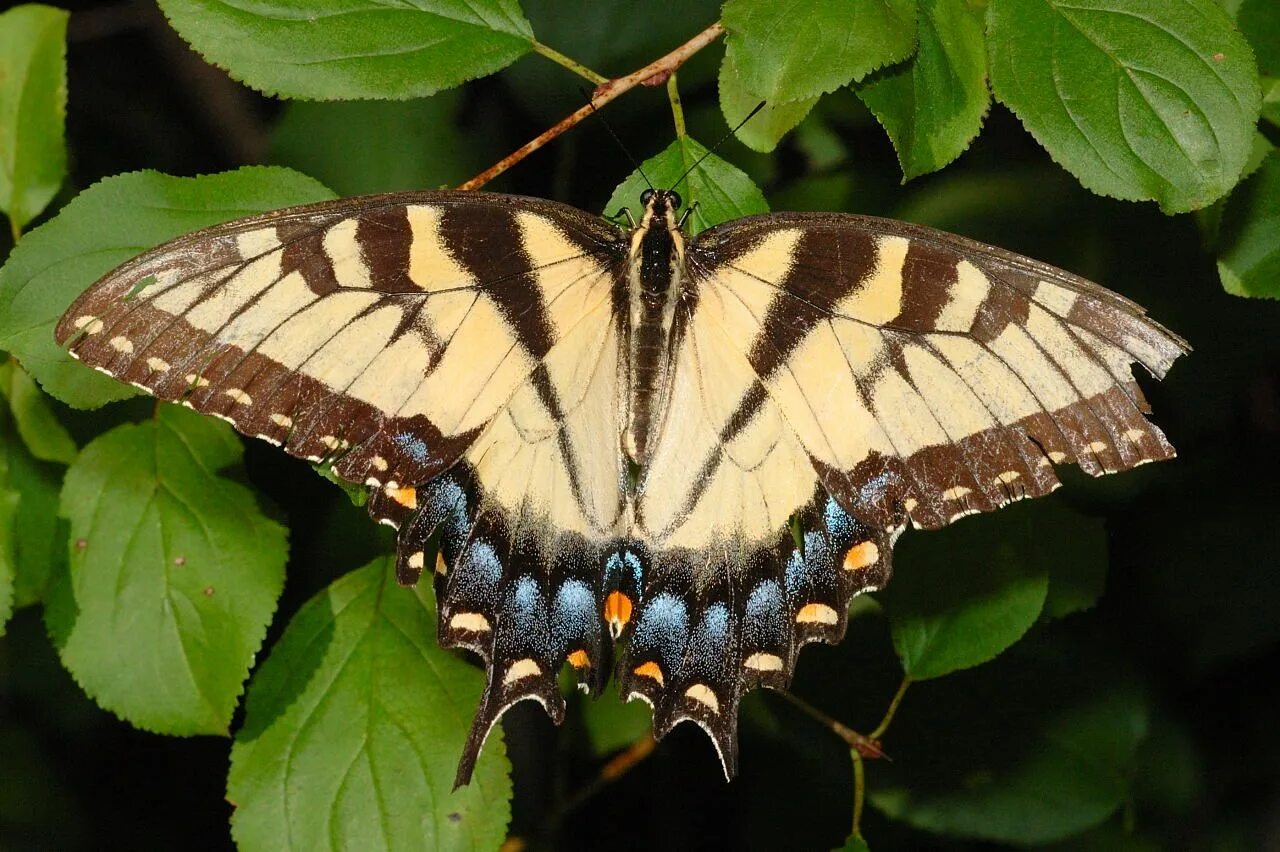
(456,353)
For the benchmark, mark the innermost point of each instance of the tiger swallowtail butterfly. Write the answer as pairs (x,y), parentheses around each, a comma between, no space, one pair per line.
(690,453)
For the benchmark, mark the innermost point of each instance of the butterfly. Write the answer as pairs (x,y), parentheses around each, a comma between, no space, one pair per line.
(671,458)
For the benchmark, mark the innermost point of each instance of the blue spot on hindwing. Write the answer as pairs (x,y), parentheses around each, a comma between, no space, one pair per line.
(475,577)
(839,523)
(876,489)
(573,615)
(663,630)
(763,627)
(810,570)
(445,503)
(412,446)
(624,570)
(525,622)
(706,655)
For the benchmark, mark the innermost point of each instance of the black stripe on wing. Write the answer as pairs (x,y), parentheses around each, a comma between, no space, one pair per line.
(952,334)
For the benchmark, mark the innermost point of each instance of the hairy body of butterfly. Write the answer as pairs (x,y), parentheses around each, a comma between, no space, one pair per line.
(697,450)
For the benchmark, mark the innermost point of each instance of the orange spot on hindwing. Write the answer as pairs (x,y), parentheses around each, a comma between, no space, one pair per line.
(407,496)
(650,670)
(861,556)
(579,659)
(617,612)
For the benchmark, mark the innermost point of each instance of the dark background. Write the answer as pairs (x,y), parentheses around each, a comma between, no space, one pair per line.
(1191,612)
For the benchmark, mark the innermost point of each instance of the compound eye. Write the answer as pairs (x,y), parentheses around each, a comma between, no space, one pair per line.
(646,196)
(674,198)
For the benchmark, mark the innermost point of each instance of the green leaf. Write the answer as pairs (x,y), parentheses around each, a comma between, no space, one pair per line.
(9,501)
(1150,101)
(357,494)
(174,574)
(45,437)
(33,106)
(1075,546)
(1259,20)
(612,723)
(962,595)
(351,49)
(1249,236)
(38,534)
(353,726)
(1271,100)
(359,147)
(101,228)
(1037,747)
(769,125)
(932,106)
(721,191)
(792,51)
(855,843)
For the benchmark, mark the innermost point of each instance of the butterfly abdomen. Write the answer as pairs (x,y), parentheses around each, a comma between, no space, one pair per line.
(655,282)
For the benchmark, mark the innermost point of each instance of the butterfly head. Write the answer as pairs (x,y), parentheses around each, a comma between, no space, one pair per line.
(657,244)
(660,201)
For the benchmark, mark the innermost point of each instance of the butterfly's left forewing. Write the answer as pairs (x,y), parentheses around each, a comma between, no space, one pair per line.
(458,353)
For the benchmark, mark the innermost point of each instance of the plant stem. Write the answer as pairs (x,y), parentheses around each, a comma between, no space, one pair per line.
(677,110)
(560,59)
(859,791)
(655,74)
(15,229)
(879,732)
(859,744)
(854,739)
(619,765)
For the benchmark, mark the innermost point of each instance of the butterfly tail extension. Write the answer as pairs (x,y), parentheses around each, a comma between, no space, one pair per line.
(524,602)
(713,625)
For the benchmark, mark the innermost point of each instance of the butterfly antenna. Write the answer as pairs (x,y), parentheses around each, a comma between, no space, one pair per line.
(723,139)
(616,138)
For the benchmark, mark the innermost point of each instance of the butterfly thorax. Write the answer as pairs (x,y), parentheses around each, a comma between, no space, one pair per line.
(655,282)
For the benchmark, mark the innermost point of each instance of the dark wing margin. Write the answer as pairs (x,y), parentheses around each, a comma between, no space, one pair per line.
(930,375)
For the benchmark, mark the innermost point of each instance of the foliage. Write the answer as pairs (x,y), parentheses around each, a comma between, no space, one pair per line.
(343,725)
(1150,102)
(157,548)
(173,576)
(33,102)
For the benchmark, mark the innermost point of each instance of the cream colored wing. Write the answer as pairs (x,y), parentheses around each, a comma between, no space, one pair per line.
(925,376)
(456,352)
(835,377)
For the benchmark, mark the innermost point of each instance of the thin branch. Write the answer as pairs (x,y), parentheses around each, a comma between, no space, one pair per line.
(880,730)
(656,73)
(677,109)
(859,792)
(863,745)
(565,62)
(619,765)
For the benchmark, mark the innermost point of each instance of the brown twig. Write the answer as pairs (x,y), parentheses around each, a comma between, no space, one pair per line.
(656,73)
(860,743)
(619,765)
(861,746)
